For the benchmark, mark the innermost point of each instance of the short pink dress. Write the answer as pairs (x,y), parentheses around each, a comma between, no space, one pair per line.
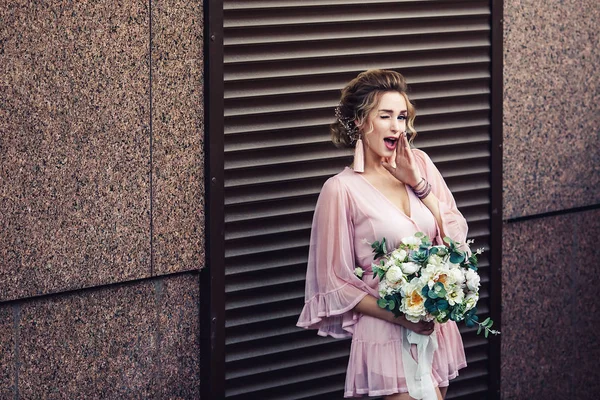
(350,214)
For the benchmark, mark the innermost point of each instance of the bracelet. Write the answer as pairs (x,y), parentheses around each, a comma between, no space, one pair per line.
(421,194)
(418,184)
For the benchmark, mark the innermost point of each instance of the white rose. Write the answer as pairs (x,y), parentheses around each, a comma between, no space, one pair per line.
(458,275)
(435,260)
(410,267)
(394,274)
(358,271)
(411,241)
(399,254)
(471,300)
(472,280)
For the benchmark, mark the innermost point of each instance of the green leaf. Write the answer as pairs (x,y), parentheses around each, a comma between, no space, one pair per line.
(448,240)
(391,304)
(419,234)
(485,321)
(456,258)
(486,333)
(479,329)
(382,303)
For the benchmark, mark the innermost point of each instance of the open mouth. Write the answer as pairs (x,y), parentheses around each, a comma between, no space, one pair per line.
(390,142)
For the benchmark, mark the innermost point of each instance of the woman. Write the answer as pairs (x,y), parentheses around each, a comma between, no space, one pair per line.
(392,191)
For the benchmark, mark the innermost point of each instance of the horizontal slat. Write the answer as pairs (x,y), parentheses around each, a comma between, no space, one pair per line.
(306,135)
(307,67)
(249,389)
(256,88)
(327,154)
(281,52)
(321,14)
(302,341)
(265,5)
(339,349)
(315,101)
(322,117)
(355,30)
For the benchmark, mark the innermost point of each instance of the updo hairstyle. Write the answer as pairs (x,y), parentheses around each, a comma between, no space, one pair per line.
(361,96)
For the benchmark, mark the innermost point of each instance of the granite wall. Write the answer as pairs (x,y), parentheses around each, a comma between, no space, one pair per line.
(551,328)
(101,198)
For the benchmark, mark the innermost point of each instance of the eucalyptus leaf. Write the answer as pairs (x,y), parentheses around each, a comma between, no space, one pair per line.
(486,333)
(479,329)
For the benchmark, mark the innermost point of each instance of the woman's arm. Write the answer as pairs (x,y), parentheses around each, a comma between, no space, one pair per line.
(368,306)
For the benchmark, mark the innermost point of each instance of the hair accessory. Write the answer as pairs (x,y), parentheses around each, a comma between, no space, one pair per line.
(348,124)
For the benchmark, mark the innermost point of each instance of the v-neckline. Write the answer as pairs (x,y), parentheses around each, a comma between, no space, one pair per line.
(410,206)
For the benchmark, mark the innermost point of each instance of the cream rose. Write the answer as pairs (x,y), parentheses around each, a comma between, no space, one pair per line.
(411,241)
(458,275)
(394,274)
(472,280)
(410,268)
(471,300)
(413,303)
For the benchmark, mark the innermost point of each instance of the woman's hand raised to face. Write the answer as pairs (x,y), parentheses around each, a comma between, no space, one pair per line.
(406,169)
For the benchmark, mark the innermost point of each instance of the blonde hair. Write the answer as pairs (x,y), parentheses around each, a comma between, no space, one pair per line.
(361,96)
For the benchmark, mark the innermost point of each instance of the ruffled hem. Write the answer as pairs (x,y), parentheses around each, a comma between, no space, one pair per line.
(332,313)
(375,368)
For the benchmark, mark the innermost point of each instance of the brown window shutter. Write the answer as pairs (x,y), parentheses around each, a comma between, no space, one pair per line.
(284,65)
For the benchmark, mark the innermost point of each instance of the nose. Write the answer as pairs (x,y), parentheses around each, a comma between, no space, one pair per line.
(395,125)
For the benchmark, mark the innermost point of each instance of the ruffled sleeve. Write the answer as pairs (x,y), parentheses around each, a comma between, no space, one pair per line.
(454,225)
(332,289)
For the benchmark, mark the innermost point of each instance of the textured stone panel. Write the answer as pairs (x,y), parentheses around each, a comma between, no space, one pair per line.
(178,135)
(551,106)
(586,316)
(7,352)
(90,345)
(550,320)
(74,145)
(179,344)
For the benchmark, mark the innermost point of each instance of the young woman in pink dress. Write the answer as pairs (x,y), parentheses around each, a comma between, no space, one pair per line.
(377,198)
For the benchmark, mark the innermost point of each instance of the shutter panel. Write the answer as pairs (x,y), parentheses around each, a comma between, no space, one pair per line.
(284,65)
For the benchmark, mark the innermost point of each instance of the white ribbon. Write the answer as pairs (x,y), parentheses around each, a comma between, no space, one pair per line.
(418,373)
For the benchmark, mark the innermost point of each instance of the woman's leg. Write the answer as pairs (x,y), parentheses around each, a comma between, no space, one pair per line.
(443,391)
(405,396)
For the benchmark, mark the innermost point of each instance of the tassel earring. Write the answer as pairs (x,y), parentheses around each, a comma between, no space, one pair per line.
(359,156)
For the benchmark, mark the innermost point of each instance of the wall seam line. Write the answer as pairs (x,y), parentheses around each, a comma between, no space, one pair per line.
(24,300)
(151,144)
(553,213)
(17,333)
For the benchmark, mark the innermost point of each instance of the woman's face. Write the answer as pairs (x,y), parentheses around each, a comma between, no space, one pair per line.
(388,120)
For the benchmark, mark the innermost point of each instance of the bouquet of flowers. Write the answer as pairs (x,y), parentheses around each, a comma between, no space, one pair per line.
(426,282)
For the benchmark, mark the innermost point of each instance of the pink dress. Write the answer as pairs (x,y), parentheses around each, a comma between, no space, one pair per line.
(351,212)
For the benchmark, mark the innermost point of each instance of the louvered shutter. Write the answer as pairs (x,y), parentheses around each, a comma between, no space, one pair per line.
(284,65)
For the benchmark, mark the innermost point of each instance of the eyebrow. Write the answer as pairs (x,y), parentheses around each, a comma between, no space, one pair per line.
(392,111)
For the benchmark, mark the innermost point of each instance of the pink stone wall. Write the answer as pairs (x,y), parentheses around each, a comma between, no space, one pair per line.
(101,198)
(551,106)
(550,324)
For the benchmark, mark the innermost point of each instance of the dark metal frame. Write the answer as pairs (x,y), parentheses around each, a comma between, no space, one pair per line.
(212,276)
(497,19)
